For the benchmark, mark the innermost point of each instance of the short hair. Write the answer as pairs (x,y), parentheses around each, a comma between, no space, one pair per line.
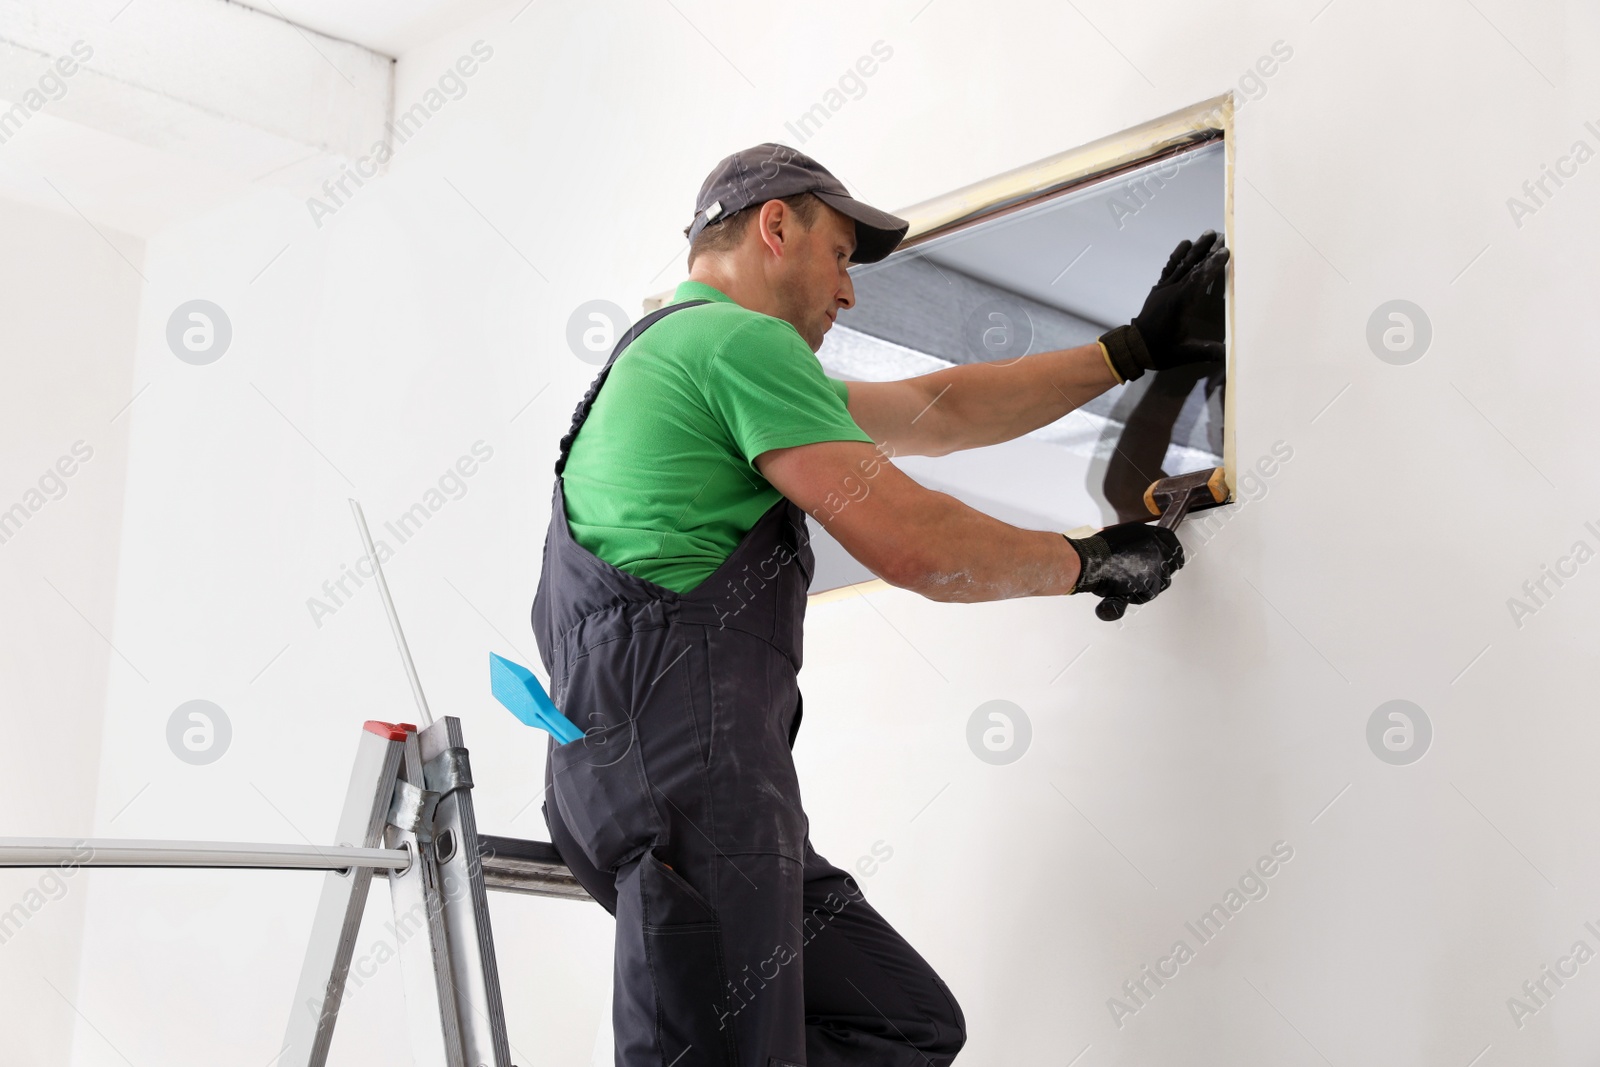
(725,234)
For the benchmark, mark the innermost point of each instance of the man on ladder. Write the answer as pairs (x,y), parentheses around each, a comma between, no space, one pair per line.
(670,606)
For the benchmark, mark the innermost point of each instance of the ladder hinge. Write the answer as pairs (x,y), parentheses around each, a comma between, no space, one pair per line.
(412,809)
(448,771)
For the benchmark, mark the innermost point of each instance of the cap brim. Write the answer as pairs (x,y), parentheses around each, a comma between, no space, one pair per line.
(877,232)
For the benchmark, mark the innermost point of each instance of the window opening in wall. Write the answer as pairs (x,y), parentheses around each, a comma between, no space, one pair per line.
(1032,272)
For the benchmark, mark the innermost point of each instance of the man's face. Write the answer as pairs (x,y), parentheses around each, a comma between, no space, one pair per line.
(812,283)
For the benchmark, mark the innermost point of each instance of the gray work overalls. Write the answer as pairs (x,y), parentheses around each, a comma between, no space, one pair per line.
(736,944)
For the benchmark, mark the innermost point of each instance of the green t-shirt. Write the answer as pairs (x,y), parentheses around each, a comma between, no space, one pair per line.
(661,481)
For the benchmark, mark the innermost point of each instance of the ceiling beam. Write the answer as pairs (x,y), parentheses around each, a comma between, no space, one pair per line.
(204,79)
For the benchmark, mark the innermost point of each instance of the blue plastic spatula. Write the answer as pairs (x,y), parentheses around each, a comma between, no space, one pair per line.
(515,686)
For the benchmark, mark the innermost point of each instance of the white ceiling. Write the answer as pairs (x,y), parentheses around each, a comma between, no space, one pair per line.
(172,117)
(388,26)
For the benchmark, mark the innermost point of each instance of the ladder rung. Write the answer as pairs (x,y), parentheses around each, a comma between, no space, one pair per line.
(112,852)
(512,865)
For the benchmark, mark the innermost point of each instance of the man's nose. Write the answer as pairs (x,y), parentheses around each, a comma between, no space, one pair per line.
(847,293)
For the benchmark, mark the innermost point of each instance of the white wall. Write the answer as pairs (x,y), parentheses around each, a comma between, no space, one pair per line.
(1173,751)
(69,304)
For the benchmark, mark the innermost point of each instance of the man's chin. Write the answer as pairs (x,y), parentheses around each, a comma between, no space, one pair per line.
(827,324)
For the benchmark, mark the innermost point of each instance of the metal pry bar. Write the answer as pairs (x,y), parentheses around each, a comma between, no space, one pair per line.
(394,619)
(1172,499)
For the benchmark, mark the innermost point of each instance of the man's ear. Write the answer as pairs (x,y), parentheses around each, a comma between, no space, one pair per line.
(777,226)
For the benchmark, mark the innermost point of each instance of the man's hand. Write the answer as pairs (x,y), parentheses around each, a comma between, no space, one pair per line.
(1182,320)
(1131,560)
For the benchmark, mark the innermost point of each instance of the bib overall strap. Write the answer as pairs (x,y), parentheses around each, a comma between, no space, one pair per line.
(587,402)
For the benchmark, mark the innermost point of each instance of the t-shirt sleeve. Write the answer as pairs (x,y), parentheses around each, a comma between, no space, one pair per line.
(768,389)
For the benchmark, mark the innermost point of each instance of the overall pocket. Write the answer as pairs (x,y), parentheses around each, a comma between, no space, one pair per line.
(629,694)
(603,795)
(683,945)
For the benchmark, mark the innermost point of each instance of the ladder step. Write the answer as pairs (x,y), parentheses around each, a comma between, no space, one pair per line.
(512,865)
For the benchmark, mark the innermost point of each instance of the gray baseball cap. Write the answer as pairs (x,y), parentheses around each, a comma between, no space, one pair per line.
(772,171)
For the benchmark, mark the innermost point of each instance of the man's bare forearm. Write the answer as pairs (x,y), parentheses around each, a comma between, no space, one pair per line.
(961,555)
(914,537)
(986,403)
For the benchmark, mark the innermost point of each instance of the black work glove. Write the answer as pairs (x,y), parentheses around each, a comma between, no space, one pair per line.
(1182,318)
(1131,560)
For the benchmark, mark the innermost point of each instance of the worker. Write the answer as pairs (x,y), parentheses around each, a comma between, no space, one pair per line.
(670,606)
